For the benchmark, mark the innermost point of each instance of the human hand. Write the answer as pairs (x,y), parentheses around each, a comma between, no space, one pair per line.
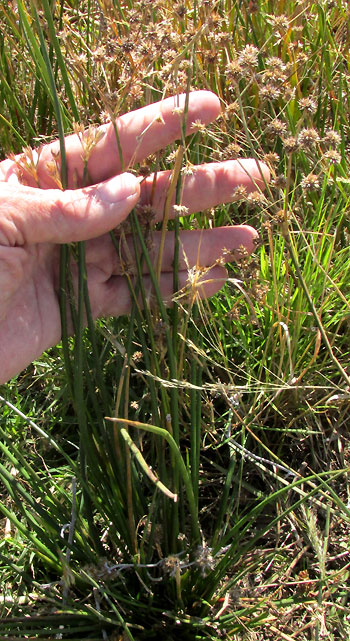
(34,222)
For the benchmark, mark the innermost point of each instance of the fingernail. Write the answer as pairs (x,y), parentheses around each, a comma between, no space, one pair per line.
(118,188)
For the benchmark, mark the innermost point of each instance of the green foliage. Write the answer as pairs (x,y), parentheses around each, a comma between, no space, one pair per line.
(217,506)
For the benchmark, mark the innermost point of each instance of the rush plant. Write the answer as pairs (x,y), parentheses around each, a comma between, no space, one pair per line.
(182,473)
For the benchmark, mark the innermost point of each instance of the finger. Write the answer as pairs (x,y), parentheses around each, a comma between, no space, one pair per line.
(203,248)
(141,133)
(29,215)
(115,299)
(209,185)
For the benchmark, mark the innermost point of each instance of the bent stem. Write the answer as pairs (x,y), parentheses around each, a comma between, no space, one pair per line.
(143,464)
(165,434)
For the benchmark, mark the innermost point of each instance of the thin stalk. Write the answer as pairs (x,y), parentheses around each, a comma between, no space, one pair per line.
(151,337)
(175,310)
(18,110)
(120,150)
(163,312)
(64,254)
(173,423)
(56,102)
(166,214)
(196,413)
(120,390)
(293,255)
(95,352)
(60,60)
(86,444)
(152,363)
(129,501)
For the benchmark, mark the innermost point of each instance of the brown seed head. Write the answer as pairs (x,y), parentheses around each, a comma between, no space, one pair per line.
(291,144)
(277,127)
(270,92)
(271,158)
(279,23)
(307,104)
(310,182)
(248,58)
(256,199)
(232,109)
(308,138)
(240,193)
(233,71)
(232,151)
(275,63)
(279,182)
(333,156)
(332,138)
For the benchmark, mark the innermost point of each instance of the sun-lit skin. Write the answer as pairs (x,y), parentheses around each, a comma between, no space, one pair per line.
(35,222)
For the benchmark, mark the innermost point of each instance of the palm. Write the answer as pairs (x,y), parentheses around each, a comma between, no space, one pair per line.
(30,316)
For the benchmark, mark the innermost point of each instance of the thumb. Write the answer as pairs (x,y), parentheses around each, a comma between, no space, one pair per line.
(29,215)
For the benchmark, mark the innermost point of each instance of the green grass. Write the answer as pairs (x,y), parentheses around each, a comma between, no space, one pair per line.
(237,407)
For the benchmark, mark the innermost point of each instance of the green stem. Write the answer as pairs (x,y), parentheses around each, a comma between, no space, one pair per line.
(159,431)
(327,344)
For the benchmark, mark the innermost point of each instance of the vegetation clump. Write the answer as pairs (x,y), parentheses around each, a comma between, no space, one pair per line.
(183,473)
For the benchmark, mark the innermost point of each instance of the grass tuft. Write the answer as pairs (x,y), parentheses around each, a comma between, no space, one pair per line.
(214,502)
